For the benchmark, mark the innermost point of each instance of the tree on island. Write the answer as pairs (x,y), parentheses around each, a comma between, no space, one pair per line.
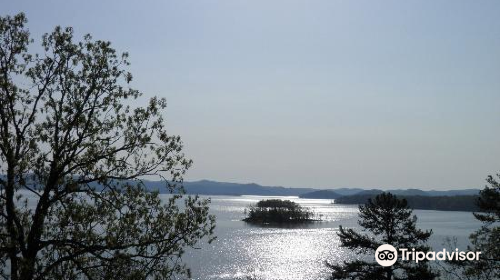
(386,220)
(72,153)
(278,211)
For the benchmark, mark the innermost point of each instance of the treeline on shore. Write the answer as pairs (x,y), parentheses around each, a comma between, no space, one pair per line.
(444,203)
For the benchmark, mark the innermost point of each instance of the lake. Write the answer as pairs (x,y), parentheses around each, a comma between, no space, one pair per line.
(242,250)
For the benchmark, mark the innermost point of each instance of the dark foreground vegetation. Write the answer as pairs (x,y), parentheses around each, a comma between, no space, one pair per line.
(385,219)
(485,240)
(388,219)
(444,203)
(278,211)
(66,128)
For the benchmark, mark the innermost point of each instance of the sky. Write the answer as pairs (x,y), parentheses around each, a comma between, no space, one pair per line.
(327,94)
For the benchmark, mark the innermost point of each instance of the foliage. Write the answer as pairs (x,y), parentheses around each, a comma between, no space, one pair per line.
(71,146)
(278,211)
(485,240)
(386,220)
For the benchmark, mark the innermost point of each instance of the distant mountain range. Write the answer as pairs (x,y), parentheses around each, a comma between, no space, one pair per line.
(219,188)
(443,203)
(206,187)
(323,194)
(413,192)
(451,200)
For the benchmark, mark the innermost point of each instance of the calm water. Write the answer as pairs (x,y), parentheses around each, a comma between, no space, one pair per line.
(297,253)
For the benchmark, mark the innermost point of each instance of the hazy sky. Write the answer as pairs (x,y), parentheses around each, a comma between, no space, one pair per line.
(312,93)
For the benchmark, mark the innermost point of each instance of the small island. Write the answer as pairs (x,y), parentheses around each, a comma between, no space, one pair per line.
(277,211)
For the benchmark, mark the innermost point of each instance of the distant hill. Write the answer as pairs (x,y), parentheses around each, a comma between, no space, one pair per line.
(435,193)
(454,192)
(444,203)
(347,191)
(218,188)
(368,193)
(324,194)
(206,187)
(417,192)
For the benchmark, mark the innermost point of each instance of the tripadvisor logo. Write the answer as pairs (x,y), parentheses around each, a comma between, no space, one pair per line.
(387,255)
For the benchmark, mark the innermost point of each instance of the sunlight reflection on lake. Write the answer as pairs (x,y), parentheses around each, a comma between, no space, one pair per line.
(297,252)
